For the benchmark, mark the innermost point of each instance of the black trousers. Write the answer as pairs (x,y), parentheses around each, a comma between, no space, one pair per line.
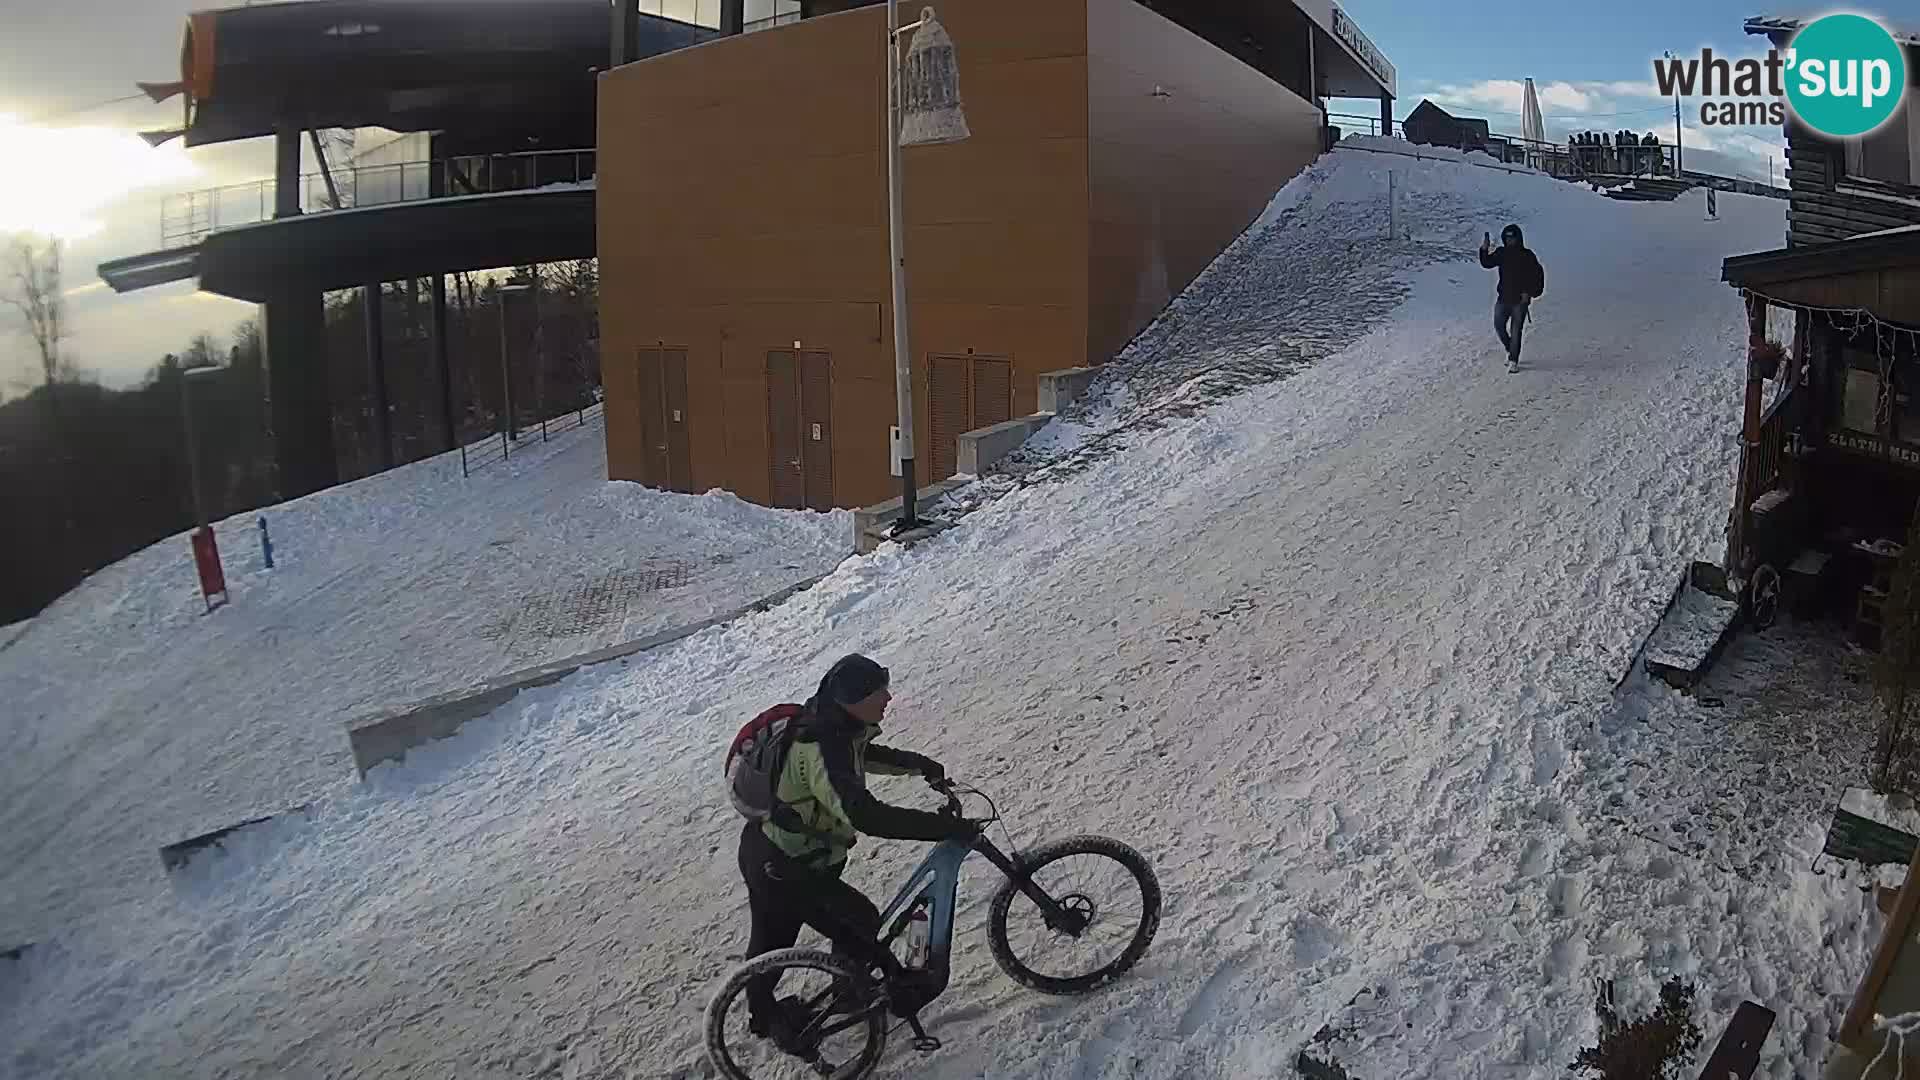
(785,895)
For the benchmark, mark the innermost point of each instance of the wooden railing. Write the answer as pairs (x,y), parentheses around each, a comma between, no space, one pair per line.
(1772,451)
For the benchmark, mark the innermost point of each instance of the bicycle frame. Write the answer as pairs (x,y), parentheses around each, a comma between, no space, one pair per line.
(938,879)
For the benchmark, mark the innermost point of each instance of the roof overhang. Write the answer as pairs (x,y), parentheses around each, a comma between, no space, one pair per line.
(346,248)
(1352,65)
(1894,249)
(1874,272)
(1779,29)
(153,268)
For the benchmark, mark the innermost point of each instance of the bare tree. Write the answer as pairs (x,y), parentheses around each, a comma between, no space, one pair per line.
(30,284)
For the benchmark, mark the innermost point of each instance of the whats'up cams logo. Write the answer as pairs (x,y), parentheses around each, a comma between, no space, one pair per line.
(1842,75)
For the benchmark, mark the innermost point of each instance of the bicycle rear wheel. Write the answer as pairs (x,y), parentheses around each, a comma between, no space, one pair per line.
(1104,880)
(838,1037)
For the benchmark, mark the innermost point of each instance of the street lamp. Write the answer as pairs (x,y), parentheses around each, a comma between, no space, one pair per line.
(511,288)
(923,109)
(1679,155)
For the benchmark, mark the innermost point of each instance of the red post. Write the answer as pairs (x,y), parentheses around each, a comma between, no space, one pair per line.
(206,559)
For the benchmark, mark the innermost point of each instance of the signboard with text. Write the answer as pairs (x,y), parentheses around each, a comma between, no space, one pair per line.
(1363,70)
(1349,34)
(1873,446)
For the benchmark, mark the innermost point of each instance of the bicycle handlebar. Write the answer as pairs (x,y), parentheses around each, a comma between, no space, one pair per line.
(953,807)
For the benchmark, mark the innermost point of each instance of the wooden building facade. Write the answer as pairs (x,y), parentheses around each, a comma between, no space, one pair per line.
(1830,461)
(1842,188)
(746,309)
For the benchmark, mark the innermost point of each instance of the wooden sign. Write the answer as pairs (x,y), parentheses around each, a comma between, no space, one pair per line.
(1874,446)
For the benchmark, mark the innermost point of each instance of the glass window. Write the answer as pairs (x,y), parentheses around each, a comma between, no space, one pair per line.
(1860,401)
(1887,154)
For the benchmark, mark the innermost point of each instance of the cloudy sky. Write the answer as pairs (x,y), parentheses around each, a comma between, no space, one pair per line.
(1593,66)
(78,169)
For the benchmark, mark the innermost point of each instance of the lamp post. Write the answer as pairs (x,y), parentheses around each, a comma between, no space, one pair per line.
(512,288)
(1679,155)
(923,109)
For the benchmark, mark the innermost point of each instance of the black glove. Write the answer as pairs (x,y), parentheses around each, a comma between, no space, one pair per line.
(935,773)
(964,830)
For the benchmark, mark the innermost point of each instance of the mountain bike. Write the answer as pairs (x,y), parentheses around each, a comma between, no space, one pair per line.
(839,1020)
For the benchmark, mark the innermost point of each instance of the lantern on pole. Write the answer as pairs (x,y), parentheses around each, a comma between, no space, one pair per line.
(923,108)
(931,113)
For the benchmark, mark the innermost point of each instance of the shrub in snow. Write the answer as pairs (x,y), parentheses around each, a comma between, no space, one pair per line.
(1655,1047)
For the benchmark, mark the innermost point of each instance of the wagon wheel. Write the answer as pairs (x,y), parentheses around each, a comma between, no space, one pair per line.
(1763,596)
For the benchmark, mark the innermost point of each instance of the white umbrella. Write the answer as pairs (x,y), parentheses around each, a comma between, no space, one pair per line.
(1533,126)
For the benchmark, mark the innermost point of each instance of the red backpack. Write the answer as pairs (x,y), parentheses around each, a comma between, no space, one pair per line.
(755,758)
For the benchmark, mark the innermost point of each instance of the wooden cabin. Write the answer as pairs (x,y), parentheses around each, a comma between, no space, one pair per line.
(1830,462)
(1842,188)
(1430,125)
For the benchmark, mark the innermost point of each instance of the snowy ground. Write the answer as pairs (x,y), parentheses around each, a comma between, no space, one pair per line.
(1338,653)
(134,721)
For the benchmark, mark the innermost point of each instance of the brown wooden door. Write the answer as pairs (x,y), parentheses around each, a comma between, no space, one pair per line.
(666,460)
(649,394)
(965,393)
(992,392)
(816,428)
(948,412)
(787,487)
(673,375)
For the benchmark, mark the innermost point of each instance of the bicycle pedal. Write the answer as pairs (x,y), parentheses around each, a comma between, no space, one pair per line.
(925,1044)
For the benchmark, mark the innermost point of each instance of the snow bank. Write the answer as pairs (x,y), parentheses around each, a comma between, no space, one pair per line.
(1333,640)
(135,721)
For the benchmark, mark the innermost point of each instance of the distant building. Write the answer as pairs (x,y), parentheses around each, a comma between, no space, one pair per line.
(1119,146)
(1434,126)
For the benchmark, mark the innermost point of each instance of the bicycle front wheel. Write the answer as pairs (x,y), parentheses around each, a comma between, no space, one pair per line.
(1105,881)
(824,1028)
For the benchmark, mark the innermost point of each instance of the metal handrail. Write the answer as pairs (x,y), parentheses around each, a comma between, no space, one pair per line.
(188,216)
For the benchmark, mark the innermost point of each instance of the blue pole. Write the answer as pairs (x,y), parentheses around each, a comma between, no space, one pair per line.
(266,544)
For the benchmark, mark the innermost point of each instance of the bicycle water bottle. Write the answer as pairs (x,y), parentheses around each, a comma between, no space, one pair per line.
(919,930)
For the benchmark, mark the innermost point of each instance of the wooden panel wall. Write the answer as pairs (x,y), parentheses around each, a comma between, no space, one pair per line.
(1174,178)
(1824,205)
(742,208)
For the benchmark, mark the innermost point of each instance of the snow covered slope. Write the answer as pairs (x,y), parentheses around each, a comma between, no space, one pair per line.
(132,720)
(1335,651)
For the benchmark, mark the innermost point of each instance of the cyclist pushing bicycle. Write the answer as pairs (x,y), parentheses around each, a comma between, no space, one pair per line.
(792,859)
(797,773)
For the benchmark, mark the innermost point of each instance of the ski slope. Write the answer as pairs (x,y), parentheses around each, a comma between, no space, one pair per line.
(1336,649)
(135,720)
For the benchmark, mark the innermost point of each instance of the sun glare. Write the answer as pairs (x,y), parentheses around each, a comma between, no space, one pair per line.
(63,177)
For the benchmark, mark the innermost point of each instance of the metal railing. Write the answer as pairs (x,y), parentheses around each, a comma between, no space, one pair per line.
(498,447)
(1563,160)
(189,216)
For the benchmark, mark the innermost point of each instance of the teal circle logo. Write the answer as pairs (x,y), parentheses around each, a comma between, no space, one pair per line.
(1845,75)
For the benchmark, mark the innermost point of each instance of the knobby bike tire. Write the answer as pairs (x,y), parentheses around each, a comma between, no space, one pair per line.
(1003,900)
(778,960)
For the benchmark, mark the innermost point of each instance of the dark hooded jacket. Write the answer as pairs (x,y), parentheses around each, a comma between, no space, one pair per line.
(824,783)
(1520,271)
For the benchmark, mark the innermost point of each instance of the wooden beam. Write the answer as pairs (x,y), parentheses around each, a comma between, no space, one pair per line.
(1858,1024)
(1880,215)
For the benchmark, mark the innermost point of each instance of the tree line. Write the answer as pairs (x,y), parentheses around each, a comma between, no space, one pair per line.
(90,474)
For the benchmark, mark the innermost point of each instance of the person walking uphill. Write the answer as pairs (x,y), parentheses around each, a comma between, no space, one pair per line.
(1522,278)
(792,855)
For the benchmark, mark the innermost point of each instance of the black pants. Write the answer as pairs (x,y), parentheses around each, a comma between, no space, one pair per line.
(785,895)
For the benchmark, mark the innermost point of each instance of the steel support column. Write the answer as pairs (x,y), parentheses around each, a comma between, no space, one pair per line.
(372,302)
